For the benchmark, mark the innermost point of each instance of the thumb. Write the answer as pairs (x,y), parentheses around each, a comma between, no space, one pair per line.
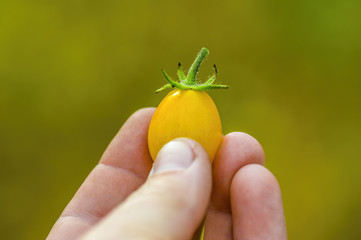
(172,202)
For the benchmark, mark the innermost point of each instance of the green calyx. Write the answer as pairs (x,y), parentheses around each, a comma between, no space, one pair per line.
(189,81)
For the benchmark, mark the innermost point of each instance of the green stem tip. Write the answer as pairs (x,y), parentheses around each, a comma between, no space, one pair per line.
(189,81)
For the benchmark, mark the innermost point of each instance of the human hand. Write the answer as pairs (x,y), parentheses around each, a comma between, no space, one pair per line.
(119,201)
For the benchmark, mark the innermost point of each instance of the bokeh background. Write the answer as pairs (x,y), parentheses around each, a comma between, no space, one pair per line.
(72,71)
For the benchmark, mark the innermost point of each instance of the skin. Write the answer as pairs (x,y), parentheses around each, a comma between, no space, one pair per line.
(168,121)
(242,202)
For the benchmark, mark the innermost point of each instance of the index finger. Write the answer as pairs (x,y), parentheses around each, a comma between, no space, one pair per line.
(123,167)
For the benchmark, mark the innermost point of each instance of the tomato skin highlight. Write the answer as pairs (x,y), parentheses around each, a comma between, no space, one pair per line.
(186,113)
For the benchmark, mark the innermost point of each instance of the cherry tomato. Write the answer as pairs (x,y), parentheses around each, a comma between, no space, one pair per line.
(188,111)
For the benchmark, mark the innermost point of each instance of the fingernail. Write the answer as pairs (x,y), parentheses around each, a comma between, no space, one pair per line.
(175,155)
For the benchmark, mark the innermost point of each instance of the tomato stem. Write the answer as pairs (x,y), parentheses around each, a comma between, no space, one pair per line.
(189,81)
(192,73)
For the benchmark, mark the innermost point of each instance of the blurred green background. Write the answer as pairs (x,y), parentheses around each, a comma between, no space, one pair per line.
(72,71)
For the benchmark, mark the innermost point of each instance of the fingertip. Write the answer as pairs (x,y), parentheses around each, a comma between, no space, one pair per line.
(187,155)
(256,204)
(180,154)
(254,181)
(176,155)
(243,144)
(143,112)
(129,147)
(197,148)
(139,119)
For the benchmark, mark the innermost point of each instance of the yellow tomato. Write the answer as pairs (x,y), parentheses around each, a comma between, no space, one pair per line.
(186,113)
